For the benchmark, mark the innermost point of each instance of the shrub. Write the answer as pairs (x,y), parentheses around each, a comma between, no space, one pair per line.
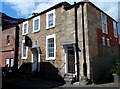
(115,68)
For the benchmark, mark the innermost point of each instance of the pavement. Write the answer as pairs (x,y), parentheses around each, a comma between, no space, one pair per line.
(40,83)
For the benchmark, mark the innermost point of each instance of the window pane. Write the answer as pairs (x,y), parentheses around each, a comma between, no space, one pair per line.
(12,62)
(8,62)
(24,50)
(104,23)
(51,47)
(36,24)
(25,28)
(115,29)
(103,18)
(50,19)
(8,39)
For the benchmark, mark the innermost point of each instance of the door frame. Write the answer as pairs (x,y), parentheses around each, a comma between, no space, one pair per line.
(66,58)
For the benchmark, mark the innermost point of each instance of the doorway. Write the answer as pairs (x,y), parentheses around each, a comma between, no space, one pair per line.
(35,62)
(71,60)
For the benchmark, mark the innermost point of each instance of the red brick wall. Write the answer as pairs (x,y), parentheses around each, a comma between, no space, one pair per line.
(100,34)
(4,55)
(5,47)
(119,39)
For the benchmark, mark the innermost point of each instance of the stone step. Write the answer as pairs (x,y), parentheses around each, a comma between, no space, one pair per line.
(68,77)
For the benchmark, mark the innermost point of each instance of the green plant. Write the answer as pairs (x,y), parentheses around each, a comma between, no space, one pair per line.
(115,68)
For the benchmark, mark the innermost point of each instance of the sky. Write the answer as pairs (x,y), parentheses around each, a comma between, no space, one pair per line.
(24,9)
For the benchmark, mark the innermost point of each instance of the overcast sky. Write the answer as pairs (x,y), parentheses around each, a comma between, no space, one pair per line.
(24,8)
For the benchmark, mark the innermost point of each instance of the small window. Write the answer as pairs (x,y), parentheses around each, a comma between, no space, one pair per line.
(36,24)
(103,40)
(104,23)
(50,19)
(50,47)
(25,28)
(115,29)
(108,41)
(10,62)
(8,40)
(24,50)
(35,42)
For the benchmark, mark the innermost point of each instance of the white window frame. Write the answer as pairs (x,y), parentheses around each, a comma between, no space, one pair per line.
(26,22)
(115,29)
(48,37)
(38,17)
(108,41)
(103,40)
(23,41)
(47,25)
(103,30)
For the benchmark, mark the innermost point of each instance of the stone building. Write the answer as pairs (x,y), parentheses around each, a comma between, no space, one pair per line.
(71,40)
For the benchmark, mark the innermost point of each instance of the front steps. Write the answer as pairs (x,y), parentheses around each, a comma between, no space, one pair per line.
(69,78)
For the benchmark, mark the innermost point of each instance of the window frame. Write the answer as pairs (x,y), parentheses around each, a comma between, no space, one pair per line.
(26,22)
(48,37)
(23,41)
(47,21)
(38,17)
(115,31)
(103,30)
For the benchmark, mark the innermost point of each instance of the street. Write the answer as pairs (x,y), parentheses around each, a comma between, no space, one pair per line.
(39,83)
(29,83)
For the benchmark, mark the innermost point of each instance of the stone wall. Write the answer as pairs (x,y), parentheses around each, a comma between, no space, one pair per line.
(63,30)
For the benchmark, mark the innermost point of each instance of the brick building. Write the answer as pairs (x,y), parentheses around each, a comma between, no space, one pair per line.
(10,39)
(71,40)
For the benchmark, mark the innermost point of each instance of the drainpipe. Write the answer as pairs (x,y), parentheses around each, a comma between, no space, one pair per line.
(76,41)
(84,49)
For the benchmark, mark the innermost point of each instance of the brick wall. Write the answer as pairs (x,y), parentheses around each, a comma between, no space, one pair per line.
(110,35)
(8,50)
(119,39)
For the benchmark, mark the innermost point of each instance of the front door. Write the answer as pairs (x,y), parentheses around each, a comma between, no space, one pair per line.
(71,60)
(35,60)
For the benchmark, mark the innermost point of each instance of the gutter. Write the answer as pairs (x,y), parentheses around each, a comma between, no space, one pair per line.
(84,48)
(76,41)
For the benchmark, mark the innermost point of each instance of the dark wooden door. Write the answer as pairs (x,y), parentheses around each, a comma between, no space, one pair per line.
(71,60)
